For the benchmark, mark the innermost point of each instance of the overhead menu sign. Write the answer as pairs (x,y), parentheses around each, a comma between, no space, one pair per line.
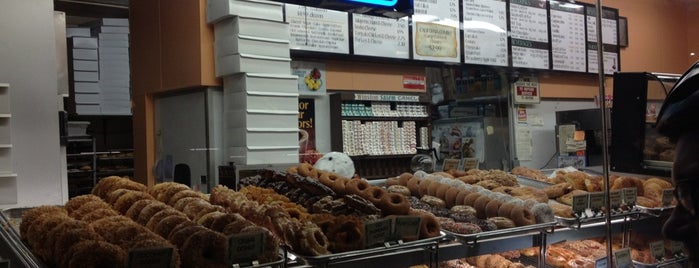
(382,37)
(485,32)
(568,36)
(610,37)
(317,29)
(529,32)
(436,30)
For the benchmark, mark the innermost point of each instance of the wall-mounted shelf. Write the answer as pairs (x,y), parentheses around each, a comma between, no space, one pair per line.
(8,179)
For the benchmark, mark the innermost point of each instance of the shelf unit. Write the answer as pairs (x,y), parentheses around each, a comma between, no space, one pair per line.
(82,164)
(8,179)
(380,132)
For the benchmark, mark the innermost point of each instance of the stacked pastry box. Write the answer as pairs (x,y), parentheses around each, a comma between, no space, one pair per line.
(251,50)
(114,71)
(84,70)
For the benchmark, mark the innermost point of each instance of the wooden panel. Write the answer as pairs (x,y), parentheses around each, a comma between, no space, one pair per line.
(144,139)
(206,32)
(180,45)
(145,44)
(343,75)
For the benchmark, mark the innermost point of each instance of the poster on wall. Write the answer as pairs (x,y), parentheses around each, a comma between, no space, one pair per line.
(307,131)
(459,140)
(311,77)
(526,90)
(529,34)
(317,29)
(485,32)
(568,36)
(380,37)
(436,30)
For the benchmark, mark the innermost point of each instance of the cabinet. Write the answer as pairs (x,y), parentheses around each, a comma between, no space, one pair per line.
(82,162)
(8,179)
(380,132)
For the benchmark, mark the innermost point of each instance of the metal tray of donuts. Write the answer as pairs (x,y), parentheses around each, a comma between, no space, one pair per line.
(674,262)
(591,218)
(324,260)
(10,219)
(527,229)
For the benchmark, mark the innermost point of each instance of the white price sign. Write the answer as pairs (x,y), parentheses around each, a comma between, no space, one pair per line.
(526,90)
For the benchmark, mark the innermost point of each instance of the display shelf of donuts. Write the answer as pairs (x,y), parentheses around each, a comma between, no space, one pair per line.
(343,209)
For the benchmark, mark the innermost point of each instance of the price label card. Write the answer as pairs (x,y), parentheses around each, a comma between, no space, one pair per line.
(668,196)
(407,227)
(630,196)
(245,247)
(677,248)
(451,164)
(4,263)
(470,163)
(601,262)
(615,199)
(377,232)
(580,203)
(657,250)
(596,201)
(622,258)
(150,257)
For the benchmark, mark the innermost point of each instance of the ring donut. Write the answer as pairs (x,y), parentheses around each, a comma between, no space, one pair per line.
(470,199)
(374,194)
(429,225)
(398,189)
(442,191)
(424,186)
(125,201)
(391,181)
(307,170)
(204,247)
(414,186)
(461,197)
(491,209)
(450,196)
(293,170)
(479,204)
(404,177)
(325,179)
(357,186)
(394,204)
(522,216)
(340,186)
(433,188)
(505,209)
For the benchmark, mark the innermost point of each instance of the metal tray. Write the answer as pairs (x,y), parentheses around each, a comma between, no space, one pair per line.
(659,211)
(526,181)
(324,260)
(528,229)
(675,262)
(658,164)
(575,222)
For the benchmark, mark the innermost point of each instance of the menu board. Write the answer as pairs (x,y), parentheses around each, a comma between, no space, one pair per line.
(610,37)
(317,29)
(485,32)
(529,32)
(568,36)
(436,30)
(379,36)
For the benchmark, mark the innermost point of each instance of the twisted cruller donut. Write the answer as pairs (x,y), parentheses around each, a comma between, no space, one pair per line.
(394,204)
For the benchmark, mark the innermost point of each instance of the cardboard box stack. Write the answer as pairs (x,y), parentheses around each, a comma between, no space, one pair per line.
(99,66)
(251,51)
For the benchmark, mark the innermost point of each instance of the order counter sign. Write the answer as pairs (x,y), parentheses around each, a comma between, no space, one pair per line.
(150,258)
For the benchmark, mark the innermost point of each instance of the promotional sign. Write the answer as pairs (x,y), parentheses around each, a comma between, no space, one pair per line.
(311,77)
(307,132)
(526,90)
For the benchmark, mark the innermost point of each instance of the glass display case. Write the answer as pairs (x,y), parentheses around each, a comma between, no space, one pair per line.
(636,147)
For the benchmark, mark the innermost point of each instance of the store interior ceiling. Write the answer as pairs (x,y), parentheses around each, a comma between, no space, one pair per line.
(80,12)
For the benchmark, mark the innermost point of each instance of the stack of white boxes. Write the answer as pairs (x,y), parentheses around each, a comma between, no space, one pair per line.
(260,94)
(84,68)
(100,67)
(114,72)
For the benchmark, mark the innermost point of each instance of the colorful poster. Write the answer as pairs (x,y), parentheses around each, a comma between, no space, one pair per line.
(307,132)
(311,77)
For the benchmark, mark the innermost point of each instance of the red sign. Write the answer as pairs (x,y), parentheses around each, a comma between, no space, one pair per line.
(526,91)
(414,82)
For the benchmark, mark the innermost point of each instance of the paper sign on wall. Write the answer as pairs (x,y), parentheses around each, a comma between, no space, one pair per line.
(526,90)
(311,77)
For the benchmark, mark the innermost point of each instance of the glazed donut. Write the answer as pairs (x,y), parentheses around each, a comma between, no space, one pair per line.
(414,186)
(204,248)
(325,179)
(442,191)
(182,194)
(433,188)
(340,186)
(450,196)
(461,197)
(136,207)
(470,199)
(98,214)
(491,209)
(167,224)
(149,210)
(307,170)
(76,202)
(391,181)
(89,207)
(357,186)
(505,210)
(400,189)
(479,204)
(374,194)
(293,170)
(429,225)
(424,187)
(394,204)
(404,177)
(124,202)
(522,216)
(160,215)
(94,253)
(433,201)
